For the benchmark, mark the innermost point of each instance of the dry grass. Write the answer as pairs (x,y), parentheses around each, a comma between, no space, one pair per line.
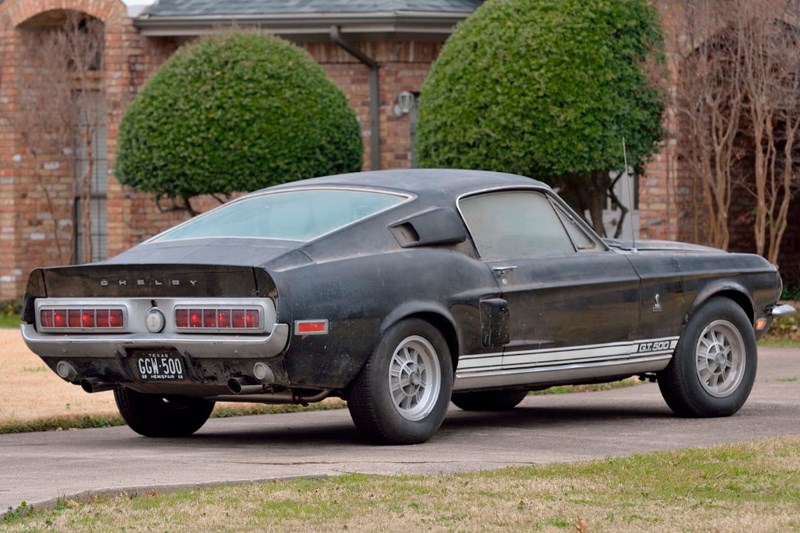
(30,391)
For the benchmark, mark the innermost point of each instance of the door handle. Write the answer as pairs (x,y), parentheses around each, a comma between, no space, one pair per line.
(503,269)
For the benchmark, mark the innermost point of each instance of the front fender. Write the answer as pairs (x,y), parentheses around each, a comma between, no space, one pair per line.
(729,289)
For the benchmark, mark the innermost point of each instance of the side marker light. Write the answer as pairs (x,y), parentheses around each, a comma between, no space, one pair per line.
(311,327)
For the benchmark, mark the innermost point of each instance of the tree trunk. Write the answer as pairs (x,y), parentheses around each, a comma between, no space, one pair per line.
(597,188)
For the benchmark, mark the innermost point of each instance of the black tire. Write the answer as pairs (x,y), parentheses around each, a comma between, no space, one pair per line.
(152,415)
(413,354)
(490,400)
(714,366)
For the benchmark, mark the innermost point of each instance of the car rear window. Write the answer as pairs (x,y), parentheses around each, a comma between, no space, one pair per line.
(301,215)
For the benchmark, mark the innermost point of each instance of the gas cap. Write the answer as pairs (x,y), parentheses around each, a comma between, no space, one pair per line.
(154,320)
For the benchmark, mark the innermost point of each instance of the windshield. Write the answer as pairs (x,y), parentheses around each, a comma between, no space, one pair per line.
(300,215)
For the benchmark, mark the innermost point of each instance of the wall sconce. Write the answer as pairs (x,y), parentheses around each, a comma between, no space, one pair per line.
(404,104)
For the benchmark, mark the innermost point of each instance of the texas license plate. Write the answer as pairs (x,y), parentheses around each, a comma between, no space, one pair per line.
(159,366)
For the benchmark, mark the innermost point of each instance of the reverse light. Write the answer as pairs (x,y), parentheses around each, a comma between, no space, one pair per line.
(218,319)
(82,318)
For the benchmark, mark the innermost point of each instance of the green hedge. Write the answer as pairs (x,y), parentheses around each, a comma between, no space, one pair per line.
(544,88)
(236,112)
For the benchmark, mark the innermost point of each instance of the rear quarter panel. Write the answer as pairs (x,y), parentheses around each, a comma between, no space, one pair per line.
(362,296)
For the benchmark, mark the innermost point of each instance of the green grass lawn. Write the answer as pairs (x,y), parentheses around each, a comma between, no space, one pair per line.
(745,487)
(9,321)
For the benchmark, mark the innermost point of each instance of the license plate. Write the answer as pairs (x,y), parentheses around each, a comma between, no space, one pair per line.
(159,366)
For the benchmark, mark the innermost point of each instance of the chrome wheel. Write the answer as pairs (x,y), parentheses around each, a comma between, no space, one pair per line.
(414,378)
(401,394)
(720,358)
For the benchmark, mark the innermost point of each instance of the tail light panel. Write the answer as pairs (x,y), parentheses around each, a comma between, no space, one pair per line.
(83,319)
(222,319)
(183,316)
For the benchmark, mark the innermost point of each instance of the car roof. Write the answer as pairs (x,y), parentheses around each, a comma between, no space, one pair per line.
(448,182)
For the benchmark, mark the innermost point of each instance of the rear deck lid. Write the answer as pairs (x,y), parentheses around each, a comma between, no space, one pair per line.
(156,280)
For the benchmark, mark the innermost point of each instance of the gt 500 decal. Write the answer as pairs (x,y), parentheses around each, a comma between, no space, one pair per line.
(656,346)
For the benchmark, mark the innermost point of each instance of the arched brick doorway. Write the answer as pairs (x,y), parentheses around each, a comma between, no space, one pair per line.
(61,122)
(39,214)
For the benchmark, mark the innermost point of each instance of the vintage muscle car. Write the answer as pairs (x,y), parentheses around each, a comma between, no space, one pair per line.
(399,291)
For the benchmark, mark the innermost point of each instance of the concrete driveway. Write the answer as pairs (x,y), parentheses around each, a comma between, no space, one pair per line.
(38,467)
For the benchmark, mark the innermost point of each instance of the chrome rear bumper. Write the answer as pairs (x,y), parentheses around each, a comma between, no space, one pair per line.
(198,346)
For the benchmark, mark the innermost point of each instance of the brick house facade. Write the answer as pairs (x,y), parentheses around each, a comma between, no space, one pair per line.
(37,195)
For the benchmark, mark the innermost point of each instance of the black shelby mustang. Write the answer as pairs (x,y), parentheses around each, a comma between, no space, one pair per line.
(399,291)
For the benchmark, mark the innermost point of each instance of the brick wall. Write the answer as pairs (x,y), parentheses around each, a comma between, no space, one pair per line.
(658,187)
(403,67)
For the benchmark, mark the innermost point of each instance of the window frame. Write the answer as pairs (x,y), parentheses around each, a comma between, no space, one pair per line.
(560,209)
(98,199)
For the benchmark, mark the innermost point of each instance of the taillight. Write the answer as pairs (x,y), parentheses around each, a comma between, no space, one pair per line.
(74,318)
(182,318)
(87,318)
(82,318)
(218,319)
(116,318)
(209,318)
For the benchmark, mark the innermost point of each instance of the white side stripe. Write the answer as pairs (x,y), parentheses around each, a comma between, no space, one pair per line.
(521,360)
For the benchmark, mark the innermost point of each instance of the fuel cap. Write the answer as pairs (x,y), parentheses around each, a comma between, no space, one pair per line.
(154,320)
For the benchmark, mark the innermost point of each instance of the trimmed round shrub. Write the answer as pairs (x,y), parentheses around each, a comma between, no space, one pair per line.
(233,113)
(544,88)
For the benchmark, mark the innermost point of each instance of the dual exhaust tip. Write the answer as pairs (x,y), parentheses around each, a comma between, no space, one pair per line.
(67,372)
(263,376)
(240,385)
(91,385)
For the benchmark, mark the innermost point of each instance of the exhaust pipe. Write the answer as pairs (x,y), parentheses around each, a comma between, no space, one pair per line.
(91,385)
(283,397)
(239,385)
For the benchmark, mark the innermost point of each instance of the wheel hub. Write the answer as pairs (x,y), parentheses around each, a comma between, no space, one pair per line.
(720,357)
(410,378)
(414,376)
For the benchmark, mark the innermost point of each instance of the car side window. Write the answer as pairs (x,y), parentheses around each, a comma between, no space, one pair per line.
(514,224)
(578,235)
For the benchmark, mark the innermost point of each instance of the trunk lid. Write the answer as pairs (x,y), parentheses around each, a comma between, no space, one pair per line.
(155,280)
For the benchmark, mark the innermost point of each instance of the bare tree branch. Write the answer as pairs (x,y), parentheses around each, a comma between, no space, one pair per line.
(739,107)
